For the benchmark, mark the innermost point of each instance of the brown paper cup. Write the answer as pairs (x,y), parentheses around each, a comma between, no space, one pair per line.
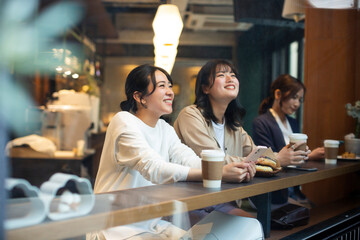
(212,165)
(331,151)
(297,138)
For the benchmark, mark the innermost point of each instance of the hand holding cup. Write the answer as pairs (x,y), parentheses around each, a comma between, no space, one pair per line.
(298,141)
(296,152)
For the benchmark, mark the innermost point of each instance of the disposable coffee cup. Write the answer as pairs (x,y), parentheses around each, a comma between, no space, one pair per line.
(298,138)
(212,166)
(331,151)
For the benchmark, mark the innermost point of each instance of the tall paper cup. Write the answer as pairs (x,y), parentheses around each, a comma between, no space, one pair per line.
(331,151)
(298,137)
(212,165)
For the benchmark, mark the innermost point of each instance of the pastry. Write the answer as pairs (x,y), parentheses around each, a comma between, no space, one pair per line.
(348,155)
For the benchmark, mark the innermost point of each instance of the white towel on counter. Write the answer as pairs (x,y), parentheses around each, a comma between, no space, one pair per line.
(36,142)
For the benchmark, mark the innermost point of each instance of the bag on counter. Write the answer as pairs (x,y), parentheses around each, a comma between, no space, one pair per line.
(289,216)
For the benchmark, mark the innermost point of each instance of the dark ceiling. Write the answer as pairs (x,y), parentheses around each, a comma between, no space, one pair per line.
(211,27)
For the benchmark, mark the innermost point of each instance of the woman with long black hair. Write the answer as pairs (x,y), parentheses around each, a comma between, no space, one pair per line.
(215,119)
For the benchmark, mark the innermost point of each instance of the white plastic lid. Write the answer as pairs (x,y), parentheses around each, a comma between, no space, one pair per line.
(331,143)
(298,136)
(212,153)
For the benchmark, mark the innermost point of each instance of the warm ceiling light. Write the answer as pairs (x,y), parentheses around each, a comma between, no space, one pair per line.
(59,69)
(167,27)
(168,23)
(294,9)
(165,62)
(75,76)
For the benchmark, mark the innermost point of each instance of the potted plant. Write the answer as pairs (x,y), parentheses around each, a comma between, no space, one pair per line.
(352,141)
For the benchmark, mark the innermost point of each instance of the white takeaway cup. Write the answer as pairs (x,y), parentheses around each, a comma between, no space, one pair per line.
(331,151)
(298,138)
(212,165)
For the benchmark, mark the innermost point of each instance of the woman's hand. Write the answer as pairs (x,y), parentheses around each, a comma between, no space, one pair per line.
(239,172)
(232,172)
(288,156)
(317,153)
(252,171)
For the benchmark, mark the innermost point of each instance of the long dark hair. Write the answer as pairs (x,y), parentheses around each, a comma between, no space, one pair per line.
(139,80)
(206,77)
(288,87)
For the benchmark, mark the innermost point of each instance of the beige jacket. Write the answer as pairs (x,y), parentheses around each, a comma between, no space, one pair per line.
(194,131)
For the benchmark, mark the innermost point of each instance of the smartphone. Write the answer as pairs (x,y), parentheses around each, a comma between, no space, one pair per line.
(256,153)
(302,168)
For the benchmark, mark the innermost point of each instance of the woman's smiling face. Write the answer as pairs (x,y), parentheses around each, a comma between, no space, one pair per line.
(160,101)
(225,87)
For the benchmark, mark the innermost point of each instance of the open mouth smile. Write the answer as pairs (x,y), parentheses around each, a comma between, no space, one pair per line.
(168,101)
(230,87)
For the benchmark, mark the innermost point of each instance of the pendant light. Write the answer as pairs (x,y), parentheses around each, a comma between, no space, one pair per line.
(294,9)
(167,27)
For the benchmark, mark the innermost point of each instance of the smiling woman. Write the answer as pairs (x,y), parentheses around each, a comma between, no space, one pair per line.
(214,121)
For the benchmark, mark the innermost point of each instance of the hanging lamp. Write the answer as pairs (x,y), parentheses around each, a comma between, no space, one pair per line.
(167,27)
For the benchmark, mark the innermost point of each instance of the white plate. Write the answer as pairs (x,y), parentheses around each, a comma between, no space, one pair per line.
(357,158)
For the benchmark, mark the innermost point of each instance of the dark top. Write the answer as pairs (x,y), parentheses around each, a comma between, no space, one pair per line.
(266,131)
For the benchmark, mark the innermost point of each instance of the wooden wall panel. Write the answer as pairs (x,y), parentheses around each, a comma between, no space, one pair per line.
(330,60)
(332,80)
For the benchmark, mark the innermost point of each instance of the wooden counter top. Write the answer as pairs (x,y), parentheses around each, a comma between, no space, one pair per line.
(133,205)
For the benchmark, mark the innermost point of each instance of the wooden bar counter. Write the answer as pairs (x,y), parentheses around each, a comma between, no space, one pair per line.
(133,205)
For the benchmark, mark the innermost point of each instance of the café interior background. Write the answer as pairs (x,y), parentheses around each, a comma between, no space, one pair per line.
(102,41)
(109,38)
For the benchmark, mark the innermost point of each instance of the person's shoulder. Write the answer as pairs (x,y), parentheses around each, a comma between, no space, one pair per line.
(166,128)
(189,109)
(123,118)
(163,124)
(262,117)
(264,120)
(190,113)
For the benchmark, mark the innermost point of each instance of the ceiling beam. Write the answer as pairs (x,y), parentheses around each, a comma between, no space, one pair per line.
(212,2)
(200,38)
